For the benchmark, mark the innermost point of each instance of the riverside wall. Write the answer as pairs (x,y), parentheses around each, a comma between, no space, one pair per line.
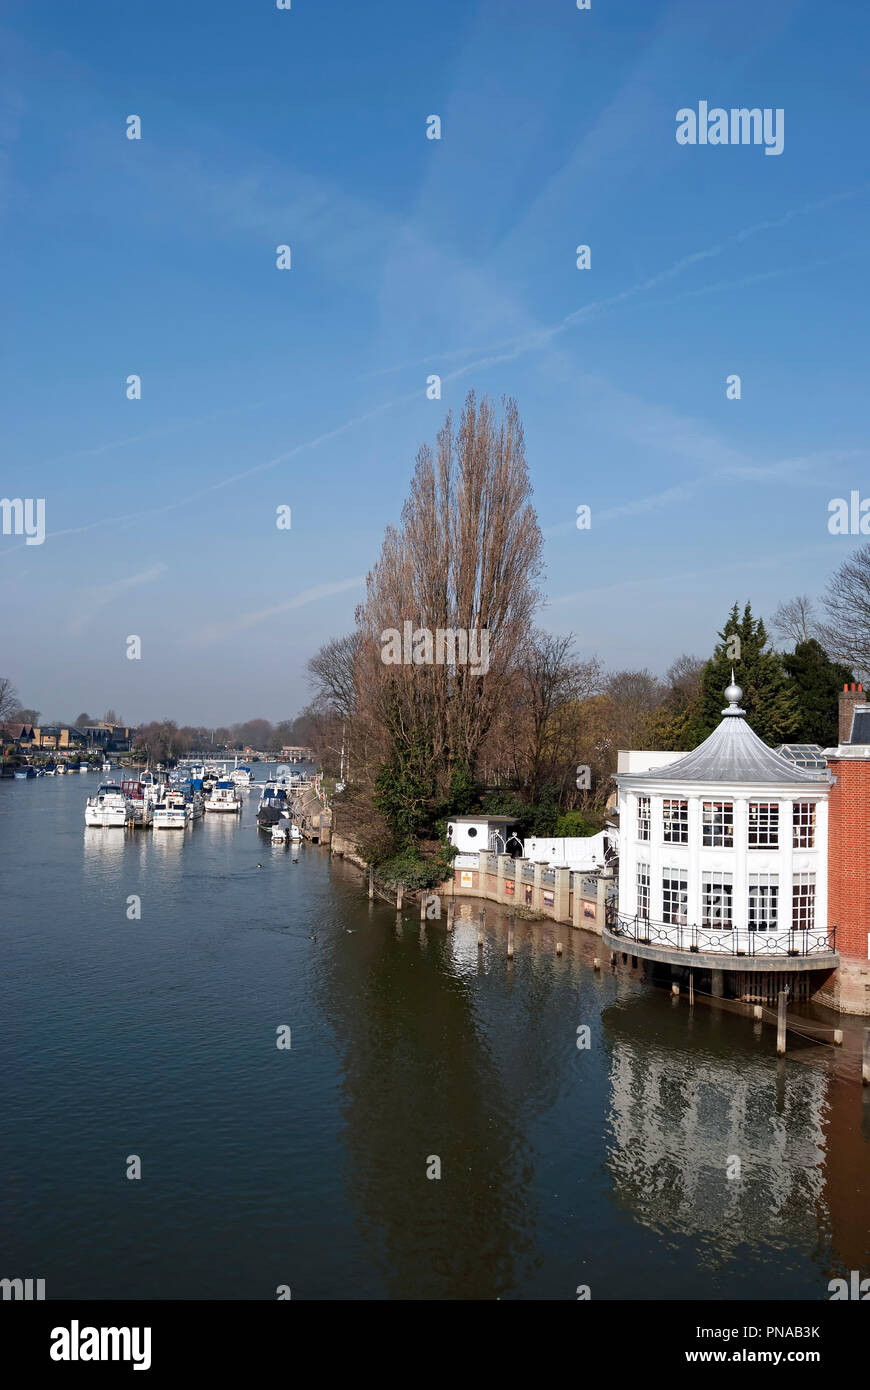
(560,895)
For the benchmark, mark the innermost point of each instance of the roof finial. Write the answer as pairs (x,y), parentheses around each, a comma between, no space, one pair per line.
(733,694)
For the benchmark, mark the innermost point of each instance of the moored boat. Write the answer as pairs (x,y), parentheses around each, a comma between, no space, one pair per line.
(223,797)
(172,813)
(24,774)
(108,808)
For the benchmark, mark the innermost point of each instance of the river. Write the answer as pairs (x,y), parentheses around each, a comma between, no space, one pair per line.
(306,1167)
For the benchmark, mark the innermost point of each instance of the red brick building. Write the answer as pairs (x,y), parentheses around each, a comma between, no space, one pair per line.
(848,988)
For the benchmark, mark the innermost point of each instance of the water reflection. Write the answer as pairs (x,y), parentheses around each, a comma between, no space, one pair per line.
(420,1081)
(680,1114)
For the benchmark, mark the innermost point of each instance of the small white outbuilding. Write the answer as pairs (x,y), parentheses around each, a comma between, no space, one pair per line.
(470,834)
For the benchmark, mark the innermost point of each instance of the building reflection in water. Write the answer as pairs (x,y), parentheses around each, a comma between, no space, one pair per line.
(677,1119)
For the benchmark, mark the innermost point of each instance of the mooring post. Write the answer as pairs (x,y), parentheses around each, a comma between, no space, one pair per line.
(481,923)
(675,990)
(691,989)
(399,894)
(558,948)
(371,881)
(596,963)
(511,939)
(422,907)
(782,1003)
(865,1067)
(451,908)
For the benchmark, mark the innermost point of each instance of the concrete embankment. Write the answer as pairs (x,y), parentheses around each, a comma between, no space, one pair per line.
(558,895)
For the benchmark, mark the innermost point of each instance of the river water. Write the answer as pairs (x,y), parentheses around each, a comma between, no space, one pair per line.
(560,1167)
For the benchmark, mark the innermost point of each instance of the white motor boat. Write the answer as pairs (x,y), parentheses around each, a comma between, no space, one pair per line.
(83,767)
(242,777)
(108,808)
(279,833)
(224,797)
(295,832)
(173,812)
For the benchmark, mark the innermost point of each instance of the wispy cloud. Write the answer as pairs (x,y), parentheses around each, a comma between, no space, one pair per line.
(93,600)
(218,632)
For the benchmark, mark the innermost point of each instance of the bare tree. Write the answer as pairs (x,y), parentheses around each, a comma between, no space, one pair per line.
(27,716)
(332,674)
(465,559)
(795,620)
(683,679)
(550,684)
(8,699)
(846,635)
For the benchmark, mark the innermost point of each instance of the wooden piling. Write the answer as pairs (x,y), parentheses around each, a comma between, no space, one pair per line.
(865,1067)
(675,990)
(596,963)
(838,1037)
(371,881)
(781,1006)
(757,1011)
(558,948)
(481,923)
(451,908)
(400,891)
(691,989)
(511,939)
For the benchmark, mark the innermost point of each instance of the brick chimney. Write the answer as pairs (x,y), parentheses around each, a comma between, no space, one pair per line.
(850,696)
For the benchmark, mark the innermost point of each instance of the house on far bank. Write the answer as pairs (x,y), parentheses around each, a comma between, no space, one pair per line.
(59,736)
(19,734)
(110,738)
(297,753)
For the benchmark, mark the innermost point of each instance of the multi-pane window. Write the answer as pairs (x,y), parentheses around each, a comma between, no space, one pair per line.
(803,901)
(718,824)
(763,824)
(804,824)
(674,896)
(643,818)
(676,821)
(763,902)
(717,891)
(643,891)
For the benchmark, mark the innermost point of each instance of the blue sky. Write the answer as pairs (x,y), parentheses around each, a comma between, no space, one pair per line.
(410,256)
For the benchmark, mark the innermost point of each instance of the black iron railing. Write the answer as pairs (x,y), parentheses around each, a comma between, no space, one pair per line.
(728,941)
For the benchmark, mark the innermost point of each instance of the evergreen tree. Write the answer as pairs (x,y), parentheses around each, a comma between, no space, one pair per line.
(817,681)
(769,698)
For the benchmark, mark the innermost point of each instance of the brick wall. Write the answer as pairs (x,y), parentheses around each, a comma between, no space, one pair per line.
(849,882)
